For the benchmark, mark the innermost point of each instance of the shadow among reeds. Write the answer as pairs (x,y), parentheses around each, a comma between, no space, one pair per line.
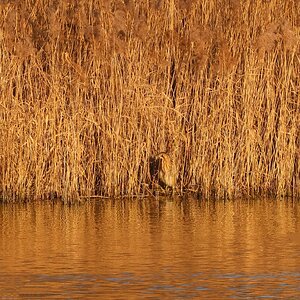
(89,90)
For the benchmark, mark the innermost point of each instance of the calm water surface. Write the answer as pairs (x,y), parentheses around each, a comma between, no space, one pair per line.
(151,249)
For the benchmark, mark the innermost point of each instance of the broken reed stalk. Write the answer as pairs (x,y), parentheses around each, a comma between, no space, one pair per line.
(91,90)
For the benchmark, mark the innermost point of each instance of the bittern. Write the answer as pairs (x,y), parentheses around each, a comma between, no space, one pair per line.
(162,169)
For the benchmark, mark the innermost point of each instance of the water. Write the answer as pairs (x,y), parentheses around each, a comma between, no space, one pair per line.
(150,249)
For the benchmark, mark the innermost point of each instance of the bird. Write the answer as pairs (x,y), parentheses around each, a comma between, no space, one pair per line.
(163,170)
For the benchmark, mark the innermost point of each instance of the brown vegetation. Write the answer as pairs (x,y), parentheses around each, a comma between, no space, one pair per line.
(89,90)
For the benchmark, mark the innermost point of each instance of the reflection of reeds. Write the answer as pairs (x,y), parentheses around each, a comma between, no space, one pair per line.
(89,90)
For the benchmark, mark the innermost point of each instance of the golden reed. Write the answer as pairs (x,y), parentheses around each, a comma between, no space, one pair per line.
(90,89)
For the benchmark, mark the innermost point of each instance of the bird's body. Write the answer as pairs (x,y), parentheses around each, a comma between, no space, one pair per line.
(166,170)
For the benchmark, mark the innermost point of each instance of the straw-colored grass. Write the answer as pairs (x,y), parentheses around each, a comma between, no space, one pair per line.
(90,90)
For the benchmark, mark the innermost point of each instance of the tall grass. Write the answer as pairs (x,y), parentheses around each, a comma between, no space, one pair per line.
(89,90)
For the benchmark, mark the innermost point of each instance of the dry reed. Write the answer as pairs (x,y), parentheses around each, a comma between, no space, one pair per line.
(90,90)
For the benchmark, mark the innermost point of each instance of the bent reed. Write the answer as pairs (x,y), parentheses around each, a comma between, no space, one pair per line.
(90,90)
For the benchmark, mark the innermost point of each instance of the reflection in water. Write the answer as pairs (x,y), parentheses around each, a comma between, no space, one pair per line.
(150,249)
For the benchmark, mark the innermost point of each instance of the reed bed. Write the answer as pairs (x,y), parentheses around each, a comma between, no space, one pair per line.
(90,90)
